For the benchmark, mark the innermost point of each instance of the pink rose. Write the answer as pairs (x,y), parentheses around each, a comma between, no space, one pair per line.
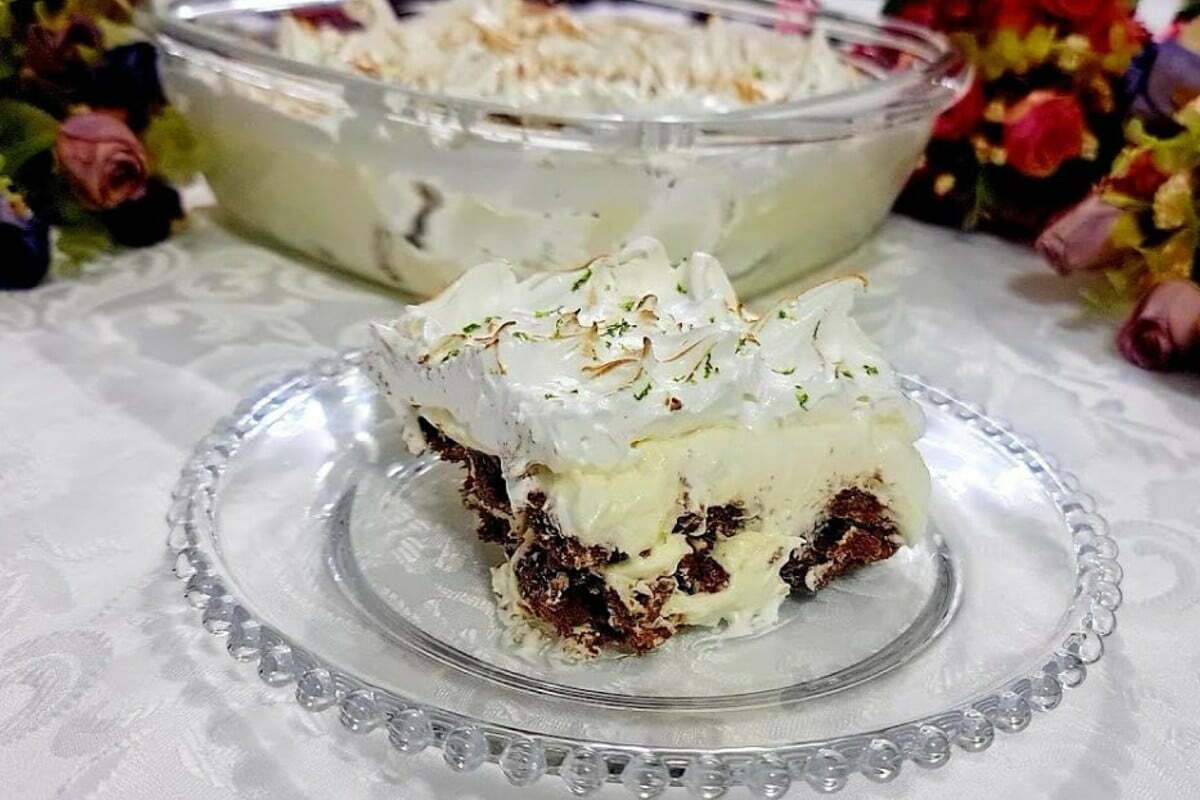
(1163,332)
(1042,131)
(1079,239)
(102,158)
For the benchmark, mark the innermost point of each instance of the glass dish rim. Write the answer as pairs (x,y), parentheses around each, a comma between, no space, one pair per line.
(826,764)
(942,76)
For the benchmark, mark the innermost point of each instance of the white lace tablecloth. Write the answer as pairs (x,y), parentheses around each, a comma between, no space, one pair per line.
(109,688)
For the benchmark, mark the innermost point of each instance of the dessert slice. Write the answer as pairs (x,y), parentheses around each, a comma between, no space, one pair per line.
(649,454)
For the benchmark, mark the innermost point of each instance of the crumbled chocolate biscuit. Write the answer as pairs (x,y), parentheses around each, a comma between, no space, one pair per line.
(700,573)
(579,607)
(495,530)
(724,520)
(564,552)
(857,530)
(569,601)
(688,524)
(485,482)
(640,628)
(446,448)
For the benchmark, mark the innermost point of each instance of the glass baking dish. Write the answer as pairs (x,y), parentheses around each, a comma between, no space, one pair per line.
(410,188)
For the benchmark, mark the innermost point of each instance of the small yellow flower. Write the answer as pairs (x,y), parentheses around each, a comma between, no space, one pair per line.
(1126,233)
(1173,259)
(1072,52)
(982,147)
(1008,44)
(1173,202)
(944,184)
(1102,95)
(1038,43)
(1090,148)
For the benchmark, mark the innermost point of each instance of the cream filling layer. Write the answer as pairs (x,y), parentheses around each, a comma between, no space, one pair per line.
(782,474)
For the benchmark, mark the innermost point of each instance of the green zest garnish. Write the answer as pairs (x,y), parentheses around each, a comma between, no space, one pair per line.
(587,275)
(679,288)
(758,73)
(801,397)
(522,335)
(842,372)
(617,328)
(709,369)
(640,394)
(548,396)
(547,312)
(449,355)
(870,370)
(784,315)
(474,326)
(787,371)
(627,305)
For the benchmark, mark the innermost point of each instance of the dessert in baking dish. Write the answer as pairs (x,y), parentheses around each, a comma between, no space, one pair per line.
(615,59)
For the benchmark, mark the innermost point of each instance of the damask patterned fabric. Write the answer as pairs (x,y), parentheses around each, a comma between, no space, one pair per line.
(109,688)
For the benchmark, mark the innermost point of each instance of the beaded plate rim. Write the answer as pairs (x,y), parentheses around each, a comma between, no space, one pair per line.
(524,757)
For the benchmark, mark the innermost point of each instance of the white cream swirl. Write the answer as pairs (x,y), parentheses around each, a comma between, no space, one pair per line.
(573,369)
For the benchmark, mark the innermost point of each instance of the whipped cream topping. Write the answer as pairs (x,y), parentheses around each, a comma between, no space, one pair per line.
(605,59)
(574,369)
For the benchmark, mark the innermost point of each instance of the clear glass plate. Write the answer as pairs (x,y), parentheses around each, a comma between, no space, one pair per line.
(323,551)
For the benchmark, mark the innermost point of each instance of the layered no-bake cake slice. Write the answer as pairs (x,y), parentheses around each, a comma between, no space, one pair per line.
(649,454)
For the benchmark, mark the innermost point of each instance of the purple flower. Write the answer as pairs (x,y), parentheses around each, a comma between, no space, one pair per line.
(127,78)
(24,244)
(1163,332)
(1080,239)
(104,162)
(1162,79)
(147,219)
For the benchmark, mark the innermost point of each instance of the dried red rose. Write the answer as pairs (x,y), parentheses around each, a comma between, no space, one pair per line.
(1163,332)
(1042,131)
(1076,10)
(963,116)
(1019,15)
(56,54)
(1099,28)
(103,160)
(1141,177)
(923,12)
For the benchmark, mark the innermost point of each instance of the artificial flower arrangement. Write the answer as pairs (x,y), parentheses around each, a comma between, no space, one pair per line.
(90,150)
(1043,120)
(1138,231)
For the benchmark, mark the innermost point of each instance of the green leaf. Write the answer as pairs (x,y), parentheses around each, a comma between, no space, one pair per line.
(981,200)
(115,34)
(78,244)
(25,131)
(175,151)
